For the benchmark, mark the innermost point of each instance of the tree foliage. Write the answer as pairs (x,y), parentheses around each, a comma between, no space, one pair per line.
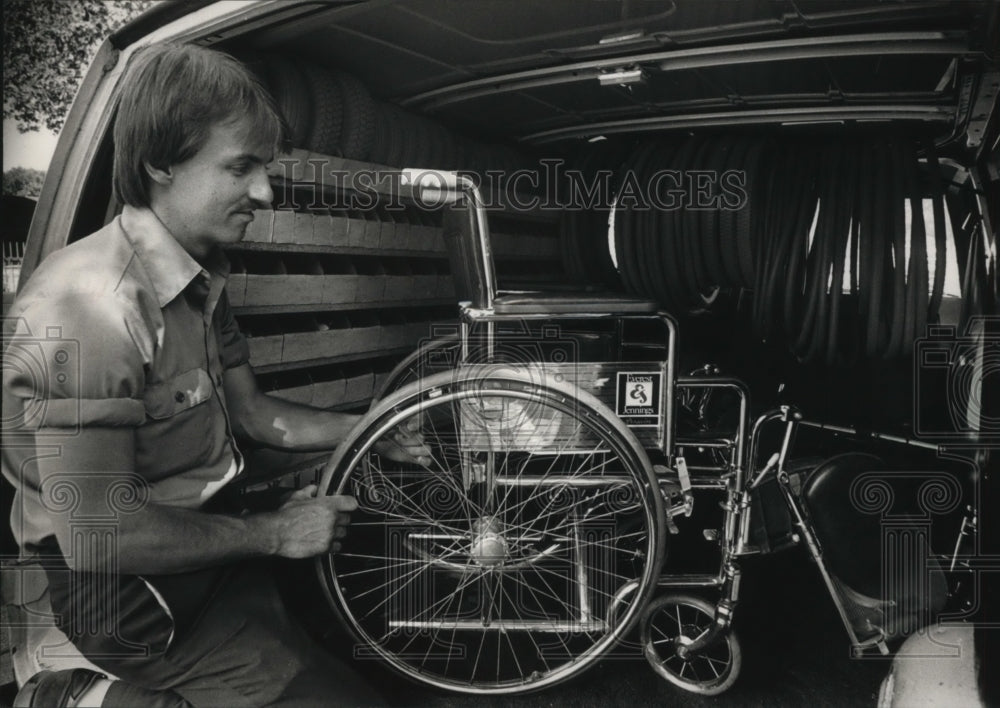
(47,47)
(23,182)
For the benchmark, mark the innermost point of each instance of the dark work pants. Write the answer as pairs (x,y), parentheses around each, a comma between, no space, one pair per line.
(233,643)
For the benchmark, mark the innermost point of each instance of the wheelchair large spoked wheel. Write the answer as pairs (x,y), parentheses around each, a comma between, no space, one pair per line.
(431,357)
(519,556)
(678,619)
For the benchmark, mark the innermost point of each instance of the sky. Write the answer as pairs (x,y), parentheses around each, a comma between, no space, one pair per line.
(32,149)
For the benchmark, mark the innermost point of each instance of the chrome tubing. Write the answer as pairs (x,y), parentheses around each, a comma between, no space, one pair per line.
(739,458)
(846,430)
(444,185)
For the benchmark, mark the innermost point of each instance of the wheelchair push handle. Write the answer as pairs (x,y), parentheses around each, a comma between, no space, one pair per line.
(471,249)
(435,181)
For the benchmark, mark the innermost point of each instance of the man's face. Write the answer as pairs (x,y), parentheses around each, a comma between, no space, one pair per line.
(211,197)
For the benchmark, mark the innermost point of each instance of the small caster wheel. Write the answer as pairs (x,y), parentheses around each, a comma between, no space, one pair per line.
(678,619)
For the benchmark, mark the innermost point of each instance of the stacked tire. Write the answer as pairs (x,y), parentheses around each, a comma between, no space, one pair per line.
(332,112)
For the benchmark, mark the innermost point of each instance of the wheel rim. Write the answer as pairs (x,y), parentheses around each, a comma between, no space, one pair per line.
(523,553)
(430,358)
(675,620)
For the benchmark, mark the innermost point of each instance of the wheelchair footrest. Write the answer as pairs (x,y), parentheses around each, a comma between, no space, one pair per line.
(866,645)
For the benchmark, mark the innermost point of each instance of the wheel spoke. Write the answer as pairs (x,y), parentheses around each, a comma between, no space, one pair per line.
(693,670)
(609,595)
(662,633)
(413,575)
(467,579)
(556,634)
(470,506)
(712,660)
(709,671)
(513,650)
(423,573)
(418,513)
(537,593)
(545,512)
(488,610)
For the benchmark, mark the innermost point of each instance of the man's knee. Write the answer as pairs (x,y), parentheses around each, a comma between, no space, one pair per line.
(122,694)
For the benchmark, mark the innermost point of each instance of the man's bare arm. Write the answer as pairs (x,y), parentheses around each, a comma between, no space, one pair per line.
(157,539)
(292,426)
(281,424)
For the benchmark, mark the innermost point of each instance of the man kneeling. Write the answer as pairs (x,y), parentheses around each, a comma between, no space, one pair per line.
(129,431)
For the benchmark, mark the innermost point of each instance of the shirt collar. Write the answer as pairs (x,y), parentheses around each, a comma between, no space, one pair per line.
(170,268)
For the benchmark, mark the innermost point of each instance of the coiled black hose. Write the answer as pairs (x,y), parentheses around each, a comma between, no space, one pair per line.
(940,245)
(822,240)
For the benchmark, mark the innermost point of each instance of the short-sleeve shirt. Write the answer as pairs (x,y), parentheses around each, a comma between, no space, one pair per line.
(122,329)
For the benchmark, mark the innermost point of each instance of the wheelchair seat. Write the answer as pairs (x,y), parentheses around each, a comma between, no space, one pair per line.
(853,545)
(850,537)
(527,303)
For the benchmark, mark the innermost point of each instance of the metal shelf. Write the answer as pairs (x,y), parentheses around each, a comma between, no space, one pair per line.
(340,307)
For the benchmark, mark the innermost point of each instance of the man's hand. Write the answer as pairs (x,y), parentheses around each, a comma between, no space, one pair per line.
(307,525)
(406,444)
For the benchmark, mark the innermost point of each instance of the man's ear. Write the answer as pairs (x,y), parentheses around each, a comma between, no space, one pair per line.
(162,176)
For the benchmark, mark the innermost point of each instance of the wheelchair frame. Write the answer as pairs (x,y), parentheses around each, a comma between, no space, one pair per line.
(467,234)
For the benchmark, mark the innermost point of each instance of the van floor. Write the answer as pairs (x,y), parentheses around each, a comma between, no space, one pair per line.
(795,653)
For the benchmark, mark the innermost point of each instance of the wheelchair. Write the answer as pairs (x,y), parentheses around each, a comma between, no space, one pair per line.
(535,541)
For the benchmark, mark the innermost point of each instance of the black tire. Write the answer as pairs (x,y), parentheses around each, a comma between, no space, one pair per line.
(382,148)
(256,63)
(399,140)
(627,227)
(327,119)
(572,223)
(646,235)
(676,267)
(292,97)
(681,618)
(410,146)
(358,127)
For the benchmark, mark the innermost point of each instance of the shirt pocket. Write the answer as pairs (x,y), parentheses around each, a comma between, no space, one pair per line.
(178,394)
